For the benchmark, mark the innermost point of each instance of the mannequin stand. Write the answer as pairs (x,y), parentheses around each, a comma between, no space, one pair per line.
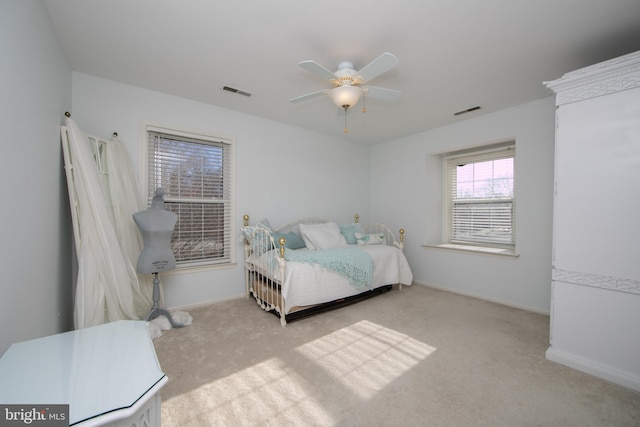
(156,310)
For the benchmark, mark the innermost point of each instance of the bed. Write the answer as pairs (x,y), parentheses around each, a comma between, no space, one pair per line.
(313,264)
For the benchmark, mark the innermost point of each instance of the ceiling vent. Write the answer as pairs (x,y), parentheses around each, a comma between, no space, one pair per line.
(468,110)
(238,91)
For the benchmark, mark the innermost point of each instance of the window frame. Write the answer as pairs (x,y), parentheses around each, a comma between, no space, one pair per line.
(496,151)
(202,137)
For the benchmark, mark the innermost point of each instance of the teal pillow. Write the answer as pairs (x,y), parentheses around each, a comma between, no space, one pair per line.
(349,232)
(293,240)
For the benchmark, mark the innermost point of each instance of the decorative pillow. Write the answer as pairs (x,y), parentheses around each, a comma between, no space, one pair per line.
(370,239)
(258,238)
(322,236)
(349,232)
(293,240)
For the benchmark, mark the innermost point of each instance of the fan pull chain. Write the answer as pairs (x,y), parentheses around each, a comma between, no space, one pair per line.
(364,103)
(346,129)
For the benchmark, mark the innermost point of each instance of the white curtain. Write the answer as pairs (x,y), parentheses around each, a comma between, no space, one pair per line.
(126,199)
(108,287)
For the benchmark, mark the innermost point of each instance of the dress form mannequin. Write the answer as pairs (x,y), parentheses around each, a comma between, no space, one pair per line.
(156,225)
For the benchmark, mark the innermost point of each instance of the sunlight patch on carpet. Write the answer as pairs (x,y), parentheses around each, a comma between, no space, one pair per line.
(366,357)
(254,396)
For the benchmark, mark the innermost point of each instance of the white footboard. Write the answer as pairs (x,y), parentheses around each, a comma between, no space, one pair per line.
(389,237)
(264,275)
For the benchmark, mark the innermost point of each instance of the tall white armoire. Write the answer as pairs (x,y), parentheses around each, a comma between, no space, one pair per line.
(595,301)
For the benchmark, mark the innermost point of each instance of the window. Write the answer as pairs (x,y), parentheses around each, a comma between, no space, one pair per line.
(480,202)
(196,173)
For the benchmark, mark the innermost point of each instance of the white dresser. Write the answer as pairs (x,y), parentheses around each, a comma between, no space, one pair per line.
(108,375)
(595,301)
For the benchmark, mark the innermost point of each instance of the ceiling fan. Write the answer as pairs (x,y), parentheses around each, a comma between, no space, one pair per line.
(348,84)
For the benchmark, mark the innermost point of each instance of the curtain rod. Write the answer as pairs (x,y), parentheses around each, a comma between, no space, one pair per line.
(68,114)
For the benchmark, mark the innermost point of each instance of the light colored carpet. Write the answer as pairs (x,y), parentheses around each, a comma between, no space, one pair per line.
(415,357)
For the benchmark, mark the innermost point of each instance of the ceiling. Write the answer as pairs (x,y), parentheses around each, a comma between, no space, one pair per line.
(453,55)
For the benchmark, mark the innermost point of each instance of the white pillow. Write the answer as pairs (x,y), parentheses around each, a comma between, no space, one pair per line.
(322,236)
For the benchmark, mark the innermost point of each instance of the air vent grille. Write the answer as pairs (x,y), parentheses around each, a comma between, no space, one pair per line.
(468,110)
(238,91)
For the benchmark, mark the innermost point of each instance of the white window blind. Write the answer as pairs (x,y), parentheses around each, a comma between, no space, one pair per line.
(195,172)
(481,202)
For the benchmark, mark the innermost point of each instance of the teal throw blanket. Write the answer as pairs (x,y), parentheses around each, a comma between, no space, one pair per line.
(352,263)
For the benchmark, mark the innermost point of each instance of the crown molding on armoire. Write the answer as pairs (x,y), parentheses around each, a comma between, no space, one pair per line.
(607,77)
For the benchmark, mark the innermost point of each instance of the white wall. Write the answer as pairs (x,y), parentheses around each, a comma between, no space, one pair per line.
(282,172)
(406,191)
(35,242)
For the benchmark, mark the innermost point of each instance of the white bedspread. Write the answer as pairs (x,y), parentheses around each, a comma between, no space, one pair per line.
(306,284)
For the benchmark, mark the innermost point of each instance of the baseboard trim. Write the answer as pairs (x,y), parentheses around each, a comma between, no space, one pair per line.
(205,303)
(592,367)
(472,295)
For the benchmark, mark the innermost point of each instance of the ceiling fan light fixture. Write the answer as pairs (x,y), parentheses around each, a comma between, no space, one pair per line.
(347,83)
(345,96)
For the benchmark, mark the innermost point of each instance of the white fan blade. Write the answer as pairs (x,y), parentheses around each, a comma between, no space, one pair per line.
(378,66)
(382,93)
(317,69)
(309,96)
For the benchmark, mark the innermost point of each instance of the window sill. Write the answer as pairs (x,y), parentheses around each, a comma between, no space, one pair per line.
(474,249)
(199,267)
